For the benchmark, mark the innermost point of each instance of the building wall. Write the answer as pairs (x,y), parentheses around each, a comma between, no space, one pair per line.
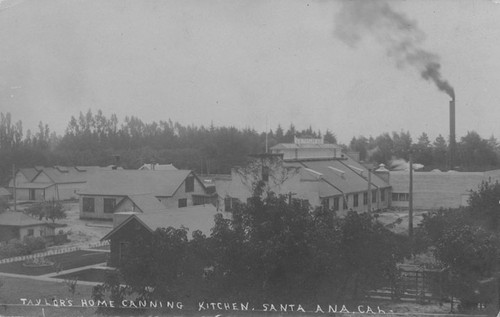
(362,207)
(20,179)
(41,194)
(281,181)
(50,193)
(127,206)
(8,233)
(98,207)
(38,231)
(127,234)
(173,202)
(434,190)
(290,154)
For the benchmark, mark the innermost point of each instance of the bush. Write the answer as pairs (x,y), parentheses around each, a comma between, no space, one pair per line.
(34,244)
(13,248)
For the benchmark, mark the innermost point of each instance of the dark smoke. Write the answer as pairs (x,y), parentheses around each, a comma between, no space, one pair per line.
(399,35)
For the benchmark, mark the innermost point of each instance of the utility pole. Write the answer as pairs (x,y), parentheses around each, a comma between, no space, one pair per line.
(14,186)
(410,199)
(369,190)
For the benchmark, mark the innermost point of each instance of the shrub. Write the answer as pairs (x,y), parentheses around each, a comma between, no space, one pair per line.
(34,244)
(13,248)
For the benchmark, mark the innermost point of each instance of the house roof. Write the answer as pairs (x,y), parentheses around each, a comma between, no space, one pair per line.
(158,167)
(135,182)
(62,174)
(337,177)
(193,218)
(145,202)
(4,192)
(29,173)
(18,219)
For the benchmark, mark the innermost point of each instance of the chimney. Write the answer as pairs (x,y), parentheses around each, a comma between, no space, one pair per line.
(452,148)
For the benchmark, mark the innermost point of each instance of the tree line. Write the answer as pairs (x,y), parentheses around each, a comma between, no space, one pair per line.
(94,139)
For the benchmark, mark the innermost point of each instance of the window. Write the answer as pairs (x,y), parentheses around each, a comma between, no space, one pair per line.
(189,184)
(374,196)
(335,203)
(346,202)
(109,205)
(199,200)
(88,204)
(365,198)
(400,196)
(182,202)
(31,232)
(355,203)
(265,173)
(382,194)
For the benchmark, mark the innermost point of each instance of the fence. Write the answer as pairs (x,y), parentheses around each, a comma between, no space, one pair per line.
(415,284)
(53,252)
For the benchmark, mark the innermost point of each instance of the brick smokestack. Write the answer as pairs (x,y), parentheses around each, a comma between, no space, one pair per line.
(452,148)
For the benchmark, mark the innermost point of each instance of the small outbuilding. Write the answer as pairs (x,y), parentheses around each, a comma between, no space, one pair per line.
(130,227)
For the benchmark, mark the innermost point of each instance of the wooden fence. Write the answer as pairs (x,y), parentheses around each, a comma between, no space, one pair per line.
(53,252)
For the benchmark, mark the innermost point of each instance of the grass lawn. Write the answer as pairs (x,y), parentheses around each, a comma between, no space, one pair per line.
(13,289)
(66,261)
(90,275)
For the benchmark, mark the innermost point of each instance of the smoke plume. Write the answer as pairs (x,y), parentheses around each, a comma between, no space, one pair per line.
(399,35)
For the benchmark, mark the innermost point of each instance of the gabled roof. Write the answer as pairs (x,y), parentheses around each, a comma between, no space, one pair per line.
(61,174)
(29,173)
(145,203)
(135,182)
(193,218)
(337,176)
(18,219)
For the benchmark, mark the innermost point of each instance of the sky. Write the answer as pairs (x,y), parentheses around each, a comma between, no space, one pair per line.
(254,63)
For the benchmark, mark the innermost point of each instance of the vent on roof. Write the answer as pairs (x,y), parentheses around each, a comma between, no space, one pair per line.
(357,169)
(338,171)
(318,174)
(62,169)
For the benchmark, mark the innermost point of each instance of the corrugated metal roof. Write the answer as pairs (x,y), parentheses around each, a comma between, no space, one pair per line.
(134,182)
(338,176)
(18,219)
